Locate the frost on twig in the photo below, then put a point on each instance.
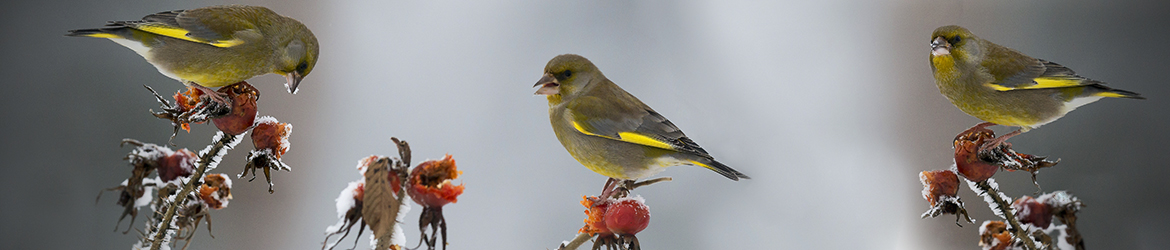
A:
(208, 159)
(1027, 222)
(186, 191)
(999, 203)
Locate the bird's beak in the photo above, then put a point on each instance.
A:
(548, 85)
(940, 47)
(292, 80)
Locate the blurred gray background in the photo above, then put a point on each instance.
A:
(829, 105)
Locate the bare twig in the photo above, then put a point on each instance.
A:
(210, 157)
(576, 242)
(1005, 208)
(648, 182)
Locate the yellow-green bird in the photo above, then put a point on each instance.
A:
(609, 130)
(1003, 86)
(217, 46)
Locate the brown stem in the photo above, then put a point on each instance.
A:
(1005, 208)
(576, 242)
(648, 182)
(204, 161)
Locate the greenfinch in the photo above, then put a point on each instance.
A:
(609, 130)
(1002, 86)
(217, 46)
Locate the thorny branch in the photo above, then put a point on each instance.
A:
(1005, 208)
(205, 160)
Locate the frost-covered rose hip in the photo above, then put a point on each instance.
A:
(180, 163)
(216, 190)
(938, 184)
(1031, 211)
(269, 134)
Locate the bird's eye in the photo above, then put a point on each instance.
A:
(302, 67)
(566, 74)
(956, 39)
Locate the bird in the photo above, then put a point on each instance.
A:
(218, 45)
(1000, 85)
(609, 130)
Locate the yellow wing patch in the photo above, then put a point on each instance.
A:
(635, 138)
(1111, 94)
(181, 33)
(630, 137)
(696, 163)
(103, 35)
(1042, 83)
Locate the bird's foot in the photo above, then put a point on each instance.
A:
(981, 127)
(998, 142)
(214, 96)
(608, 191)
(617, 188)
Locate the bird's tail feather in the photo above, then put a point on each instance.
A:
(113, 32)
(721, 169)
(1104, 91)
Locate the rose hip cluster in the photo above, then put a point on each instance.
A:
(174, 168)
(186, 192)
(977, 165)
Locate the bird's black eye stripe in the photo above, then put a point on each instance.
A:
(956, 39)
(565, 74)
(302, 67)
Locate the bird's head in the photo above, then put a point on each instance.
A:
(299, 56)
(954, 42)
(566, 75)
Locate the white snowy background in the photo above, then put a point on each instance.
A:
(828, 105)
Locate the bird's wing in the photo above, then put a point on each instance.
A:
(1015, 71)
(213, 26)
(630, 121)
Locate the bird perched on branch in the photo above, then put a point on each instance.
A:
(1002, 86)
(609, 130)
(217, 46)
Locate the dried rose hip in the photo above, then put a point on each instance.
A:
(937, 184)
(1032, 212)
(271, 135)
(993, 235)
(243, 113)
(430, 183)
(216, 190)
(595, 220)
(967, 155)
(181, 163)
